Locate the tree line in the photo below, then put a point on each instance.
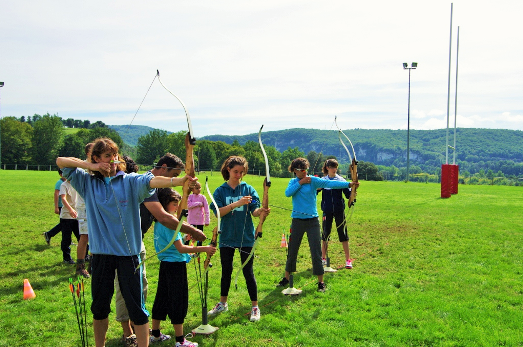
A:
(476, 150)
(69, 122)
(40, 139)
(209, 155)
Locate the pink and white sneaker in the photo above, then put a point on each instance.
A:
(186, 343)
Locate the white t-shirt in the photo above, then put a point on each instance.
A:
(71, 195)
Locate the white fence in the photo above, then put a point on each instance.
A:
(29, 167)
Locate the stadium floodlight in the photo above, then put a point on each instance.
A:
(406, 67)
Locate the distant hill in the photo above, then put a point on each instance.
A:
(477, 149)
(495, 149)
(131, 133)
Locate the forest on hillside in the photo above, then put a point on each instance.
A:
(476, 149)
(485, 153)
(380, 153)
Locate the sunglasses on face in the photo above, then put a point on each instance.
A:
(168, 167)
(301, 170)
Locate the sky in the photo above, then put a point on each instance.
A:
(286, 64)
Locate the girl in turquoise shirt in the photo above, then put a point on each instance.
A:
(237, 202)
(172, 294)
(303, 189)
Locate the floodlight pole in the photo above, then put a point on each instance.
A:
(448, 89)
(456, 100)
(1, 85)
(406, 67)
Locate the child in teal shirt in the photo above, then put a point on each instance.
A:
(172, 294)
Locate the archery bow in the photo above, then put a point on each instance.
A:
(265, 205)
(190, 141)
(189, 170)
(184, 108)
(216, 231)
(353, 169)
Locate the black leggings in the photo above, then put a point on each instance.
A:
(226, 257)
(341, 225)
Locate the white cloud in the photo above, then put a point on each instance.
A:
(507, 117)
(284, 63)
(434, 123)
(436, 112)
(418, 114)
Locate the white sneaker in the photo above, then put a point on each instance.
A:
(161, 338)
(219, 308)
(186, 343)
(255, 314)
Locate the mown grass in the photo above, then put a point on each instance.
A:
(427, 272)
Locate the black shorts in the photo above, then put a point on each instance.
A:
(103, 268)
(172, 294)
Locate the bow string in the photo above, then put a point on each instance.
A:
(353, 169)
(190, 142)
(265, 204)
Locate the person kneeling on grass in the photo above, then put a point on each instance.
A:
(172, 295)
(302, 189)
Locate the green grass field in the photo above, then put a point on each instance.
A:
(427, 272)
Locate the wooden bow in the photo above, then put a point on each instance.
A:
(266, 186)
(190, 141)
(265, 204)
(189, 171)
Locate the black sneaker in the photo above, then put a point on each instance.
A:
(81, 271)
(321, 287)
(283, 282)
(130, 341)
(70, 261)
(47, 238)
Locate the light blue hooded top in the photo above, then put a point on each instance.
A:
(113, 209)
(304, 196)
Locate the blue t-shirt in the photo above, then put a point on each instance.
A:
(162, 237)
(304, 196)
(113, 209)
(57, 187)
